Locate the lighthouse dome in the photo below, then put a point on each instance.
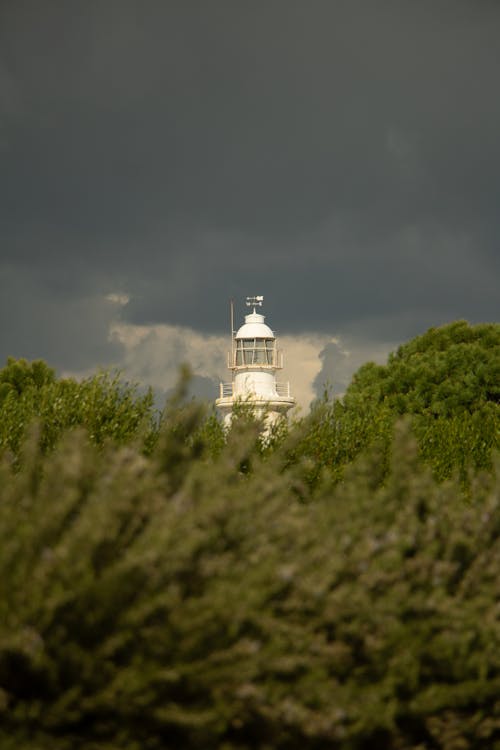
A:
(254, 328)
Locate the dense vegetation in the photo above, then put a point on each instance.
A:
(162, 587)
(108, 408)
(447, 382)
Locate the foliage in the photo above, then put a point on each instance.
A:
(108, 408)
(176, 586)
(176, 601)
(19, 375)
(445, 372)
(447, 380)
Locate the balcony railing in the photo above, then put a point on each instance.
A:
(226, 390)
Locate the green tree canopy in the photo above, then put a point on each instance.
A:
(443, 373)
(106, 406)
(447, 381)
(18, 375)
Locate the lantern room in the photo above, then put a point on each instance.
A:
(254, 344)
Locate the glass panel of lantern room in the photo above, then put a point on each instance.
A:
(249, 350)
(260, 352)
(239, 353)
(248, 346)
(251, 354)
(270, 351)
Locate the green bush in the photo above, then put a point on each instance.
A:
(177, 601)
(447, 381)
(103, 404)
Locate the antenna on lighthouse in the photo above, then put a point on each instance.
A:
(231, 313)
(255, 301)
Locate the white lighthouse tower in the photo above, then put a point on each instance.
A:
(253, 361)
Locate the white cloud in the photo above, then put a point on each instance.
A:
(153, 354)
(302, 363)
(117, 298)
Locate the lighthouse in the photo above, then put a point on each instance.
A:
(253, 361)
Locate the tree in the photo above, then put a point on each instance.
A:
(106, 406)
(443, 373)
(447, 381)
(19, 375)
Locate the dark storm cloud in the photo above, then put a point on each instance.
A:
(340, 157)
(41, 318)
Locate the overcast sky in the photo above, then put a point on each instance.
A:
(342, 158)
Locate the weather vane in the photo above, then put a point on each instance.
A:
(254, 301)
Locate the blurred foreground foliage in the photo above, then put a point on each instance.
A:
(165, 586)
(176, 601)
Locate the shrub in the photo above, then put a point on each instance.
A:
(447, 381)
(107, 407)
(176, 601)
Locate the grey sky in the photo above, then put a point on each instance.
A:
(340, 157)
